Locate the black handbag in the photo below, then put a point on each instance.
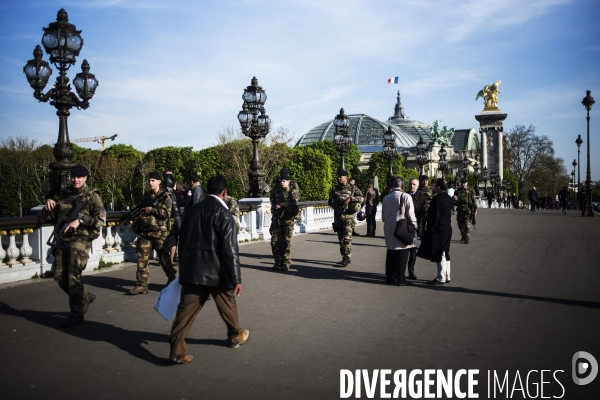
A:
(404, 231)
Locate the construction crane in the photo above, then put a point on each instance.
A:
(98, 139)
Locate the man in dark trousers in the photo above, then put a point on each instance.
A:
(563, 196)
(490, 198)
(210, 265)
(420, 203)
(581, 199)
(533, 198)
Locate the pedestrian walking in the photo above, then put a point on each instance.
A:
(396, 206)
(490, 198)
(581, 199)
(79, 215)
(435, 245)
(153, 226)
(533, 198)
(563, 197)
(210, 266)
(466, 208)
(284, 209)
(194, 194)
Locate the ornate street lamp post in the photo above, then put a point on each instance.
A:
(476, 176)
(389, 151)
(443, 163)
(421, 157)
(256, 127)
(574, 164)
(342, 140)
(578, 141)
(484, 177)
(465, 163)
(63, 42)
(588, 102)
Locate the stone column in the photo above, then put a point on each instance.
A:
(484, 151)
(491, 121)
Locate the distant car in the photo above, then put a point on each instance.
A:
(596, 206)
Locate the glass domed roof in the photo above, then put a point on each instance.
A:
(366, 132)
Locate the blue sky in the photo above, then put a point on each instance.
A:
(173, 72)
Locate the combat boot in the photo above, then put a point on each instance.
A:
(89, 299)
(139, 290)
(345, 262)
(467, 241)
(170, 279)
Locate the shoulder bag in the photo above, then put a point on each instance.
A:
(405, 232)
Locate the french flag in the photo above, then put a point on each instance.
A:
(393, 80)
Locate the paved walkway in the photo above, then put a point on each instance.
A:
(524, 296)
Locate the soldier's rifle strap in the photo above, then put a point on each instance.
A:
(57, 235)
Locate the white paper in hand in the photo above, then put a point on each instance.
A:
(168, 300)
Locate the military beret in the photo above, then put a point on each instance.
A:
(154, 175)
(463, 180)
(79, 170)
(424, 178)
(342, 173)
(284, 174)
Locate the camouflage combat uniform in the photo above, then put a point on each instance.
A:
(232, 204)
(465, 208)
(153, 230)
(282, 223)
(73, 252)
(343, 215)
(427, 193)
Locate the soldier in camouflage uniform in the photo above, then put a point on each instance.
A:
(284, 208)
(427, 193)
(153, 226)
(232, 204)
(346, 200)
(71, 256)
(466, 207)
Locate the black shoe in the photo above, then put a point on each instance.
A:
(275, 267)
(435, 282)
(391, 281)
(448, 281)
(404, 283)
(467, 241)
(412, 277)
(355, 233)
(345, 262)
(72, 321)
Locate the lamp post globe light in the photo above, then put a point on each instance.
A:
(341, 139)
(588, 102)
(63, 42)
(421, 157)
(256, 125)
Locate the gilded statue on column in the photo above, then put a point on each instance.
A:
(490, 96)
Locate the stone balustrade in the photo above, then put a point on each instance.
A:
(26, 253)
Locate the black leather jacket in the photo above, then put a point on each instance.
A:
(208, 246)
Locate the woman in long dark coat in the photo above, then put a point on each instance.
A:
(435, 246)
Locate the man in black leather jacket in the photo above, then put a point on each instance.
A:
(209, 265)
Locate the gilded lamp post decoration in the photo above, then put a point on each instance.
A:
(389, 151)
(256, 125)
(63, 42)
(342, 140)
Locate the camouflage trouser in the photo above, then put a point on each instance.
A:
(281, 243)
(464, 224)
(343, 226)
(70, 259)
(144, 247)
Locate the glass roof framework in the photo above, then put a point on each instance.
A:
(366, 132)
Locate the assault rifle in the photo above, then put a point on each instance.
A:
(58, 234)
(139, 210)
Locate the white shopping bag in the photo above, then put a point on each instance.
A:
(168, 300)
